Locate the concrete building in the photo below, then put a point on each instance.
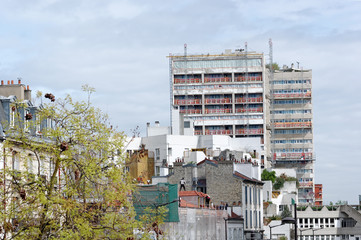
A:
(220, 94)
(290, 122)
(329, 223)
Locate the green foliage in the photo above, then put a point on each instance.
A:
(268, 176)
(274, 65)
(70, 184)
(278, 184)
(152, 220)
(286, 212)
(282, 238)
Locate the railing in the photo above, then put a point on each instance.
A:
(306, 184)
(293, 124)
(218, 100)
(251, 110)
(218, 132)
(249, 78)
(198, 132)
(217, 79)
(191, 111)
(218, 110)
(292, 95)
(249, 131)
(249, 100)
(187, 80)
(295, 156)
(187, 101)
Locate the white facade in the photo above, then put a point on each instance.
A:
(171, 148)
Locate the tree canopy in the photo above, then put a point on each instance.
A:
(63, 175)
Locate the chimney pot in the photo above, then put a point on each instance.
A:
(2, 82)
(28, 87)
(12, 82)
(19, 81)
(8, 82)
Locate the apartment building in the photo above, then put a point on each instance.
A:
(290, 122)
(220, 94)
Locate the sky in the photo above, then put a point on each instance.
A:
(120, 48)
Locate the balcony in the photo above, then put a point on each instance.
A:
(218, 100)
(217, 79)
(191, 111)
(187, 101)
(249, 131)
(218, 110)
(250, 100)
(292, 95)
(294, 156)
(293, 125)
(187, 80)
(249, 110)
(249, 79)
(218, 132)
(306, 184)
(198, 132)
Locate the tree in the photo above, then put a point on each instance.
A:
(268, 176)
(286, 212)
(274, 65)
(70, 182)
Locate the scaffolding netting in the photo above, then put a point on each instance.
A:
(153, 196)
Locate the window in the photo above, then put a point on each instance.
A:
(16, 161)
(245, 195)
(187, 124)
(157, 153)
(169, 151)
(157, 171)
(246, 216)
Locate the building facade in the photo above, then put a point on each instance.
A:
(291, 126)
(218, 94)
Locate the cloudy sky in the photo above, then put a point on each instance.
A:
(120, 48)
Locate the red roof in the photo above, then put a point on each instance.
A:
(209, 160)
(246, 178)
(192, 193)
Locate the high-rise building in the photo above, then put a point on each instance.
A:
(290, 122)
(220, 94)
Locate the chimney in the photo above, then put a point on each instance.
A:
(157, 123)
(148, 124)
(27, 94)
(19, 81)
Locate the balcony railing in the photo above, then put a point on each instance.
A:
(249, 78)
(217, 79)
(295, 156)
(306, 184)
(292, 95)
(249, 131)
(187, 80)
(218, 132)
(187, 101)
(191, 111)
(249, 100)
(293, 125)
(249, 110)
(198, 132)
(218, 100)
(218, 110)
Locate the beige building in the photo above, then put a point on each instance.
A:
(291, 129)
